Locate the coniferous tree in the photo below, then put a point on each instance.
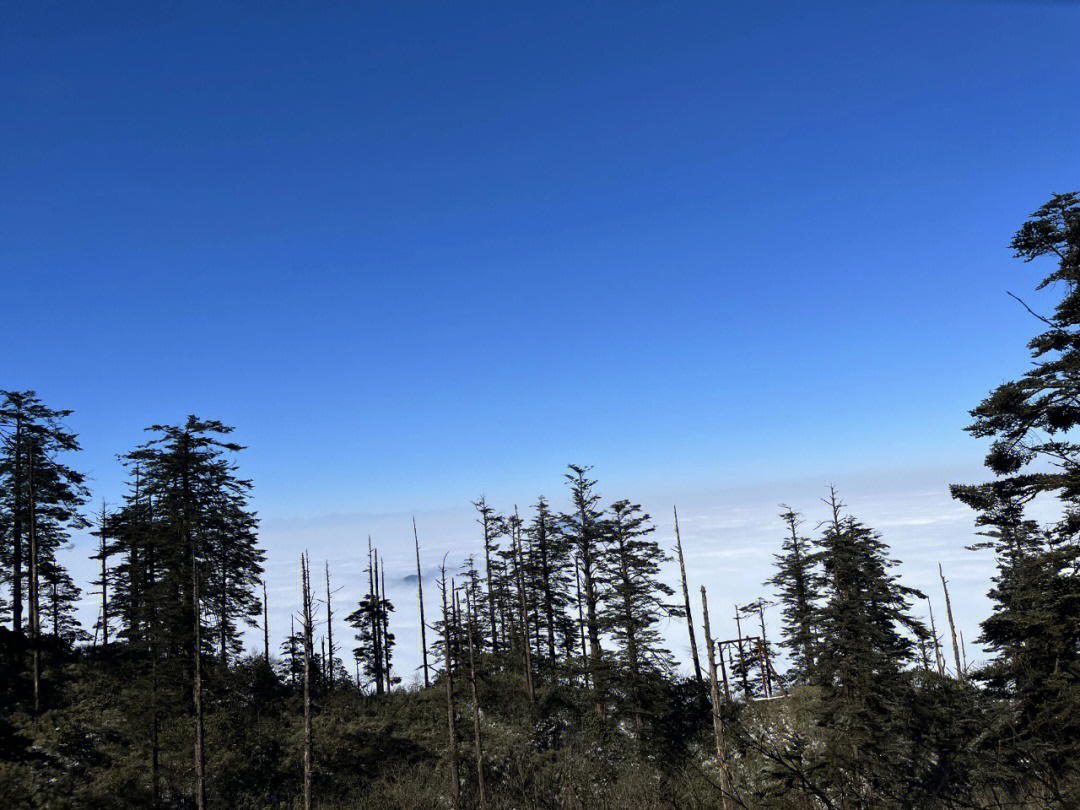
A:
(798, 584)
(375, 644)
(548, 571)
(586, 531)
(490, 526)
(1034, 631)
(634, 603)
(34, 479)
(867, 638)
(188, 508)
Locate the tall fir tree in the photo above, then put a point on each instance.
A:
(587, 533)
(798, 586)
(635, 602)
(187, 509)
(36, 484)
(868, 638)
(1034, 630)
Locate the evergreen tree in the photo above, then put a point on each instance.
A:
(187, 511)
(548, 574)
(862, 655)
(375, 643)
(797, 583)
(586, 532)
(634, 601)
(1034, 631)
(36, 485)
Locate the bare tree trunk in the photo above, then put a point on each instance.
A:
(376, 635)
(306, 574)
(475, 702)
(686, 602)
(455, 781)
(266, 624)
(420, 599)
(714, 695)
(104, 581)
(329, 635)
(952, 627)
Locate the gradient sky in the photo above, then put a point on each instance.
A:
(416, 252)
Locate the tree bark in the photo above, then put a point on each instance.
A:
(266, 624)
(104, 583)
(420, 599)
(329, 635)
(718, 720)
(952, 627)
(686, 601)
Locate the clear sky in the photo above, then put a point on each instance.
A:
(416, 252)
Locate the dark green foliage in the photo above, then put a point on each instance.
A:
(867, 637)
(1034, 630)
(36, 485)
(798, 586)
(633, 603)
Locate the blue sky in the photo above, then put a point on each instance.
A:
(726, 253)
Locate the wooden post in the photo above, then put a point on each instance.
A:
(686, 601)
(714, 696)
(475, 702)
(420, 598)
(952, 627)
